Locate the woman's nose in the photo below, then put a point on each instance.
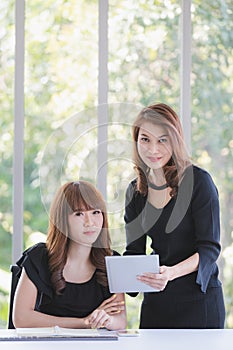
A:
(153, 147)
(88, 219)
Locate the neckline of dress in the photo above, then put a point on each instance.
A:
(170, 200)
(81, 283)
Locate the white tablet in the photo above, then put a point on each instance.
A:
(123, 270)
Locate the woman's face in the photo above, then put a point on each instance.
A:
(154, 146)
(85, 226)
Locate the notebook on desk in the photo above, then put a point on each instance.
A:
(122, 272)
(56, 333)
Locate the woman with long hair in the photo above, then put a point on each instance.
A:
(175, 204)
(64, 281)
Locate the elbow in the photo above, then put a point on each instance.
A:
(124, 320)
(20, 320)
(17, 322)
(124, 324)
(121, 324)
(21, 323)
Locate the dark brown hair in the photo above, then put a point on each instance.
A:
(73, 195)
(163, 115)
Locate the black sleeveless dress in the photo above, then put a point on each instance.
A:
(76, 300)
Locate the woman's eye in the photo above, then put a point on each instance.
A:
(163, 140)
(144, 139)
(78, 213)
(97, 212)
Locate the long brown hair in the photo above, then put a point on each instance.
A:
(73, 195)
(163, 115)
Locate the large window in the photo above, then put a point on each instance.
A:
(62, 117)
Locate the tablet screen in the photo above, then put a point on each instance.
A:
(122, 272)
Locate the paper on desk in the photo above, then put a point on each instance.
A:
(56, 331)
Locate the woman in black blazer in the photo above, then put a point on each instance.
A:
(176, 204)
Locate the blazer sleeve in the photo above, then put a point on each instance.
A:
(205, 212)
(135, 237)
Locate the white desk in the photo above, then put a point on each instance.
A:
(148, 339)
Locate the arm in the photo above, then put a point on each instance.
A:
(205, 218)
(110, 314)
(24, 314)
(169, 273)
(135, 237)
(206, 212)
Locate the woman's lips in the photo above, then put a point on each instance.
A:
(154, 159)
(89, 233)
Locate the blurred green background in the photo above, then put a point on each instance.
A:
(61, 82)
